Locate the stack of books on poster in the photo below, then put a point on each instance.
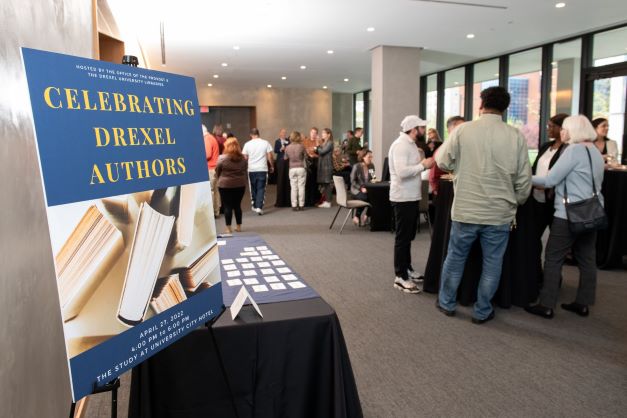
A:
(168, 293)
(198, 272)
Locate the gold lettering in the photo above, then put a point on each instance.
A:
(127, 165)
(156, 172)
(145, 169)
(70, 95)
(107, 137)
(118, 137)
(133, 103)
(181, 163)
(118, 99)
(178, 106)
(169, 163)
(159, 136)
(104, 101)
(86, 101)
(95, 172)
(189, 108)
(147, 105)
(169, 141)
(132, 136)
(147, 138)
(48, 100)
(110, 173)
(167, 103)
(159, 101)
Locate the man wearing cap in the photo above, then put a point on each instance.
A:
(492, 177)
(406, 163)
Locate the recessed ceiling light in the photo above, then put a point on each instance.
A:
(224, 64)
(209, 85)
(303, 67)
(470, 35)
(330, 51)
(283, 78)
(216, 76)
(236, 47)
(346, 79)
(554, 63)
(324, 87)
(269, 86)
(457, 83)
(560, 5)
(370, 29)
(496, 74)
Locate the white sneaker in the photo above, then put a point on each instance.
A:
(415, 276)
(406, 286)
(259, 211)
(325, 205)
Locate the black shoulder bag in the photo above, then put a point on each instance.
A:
(588, 214)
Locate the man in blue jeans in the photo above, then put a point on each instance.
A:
(258, 153)
(490, 162)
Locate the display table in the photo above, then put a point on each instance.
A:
(381, 210)
(291, 363)
(612, 243)
(519, 283)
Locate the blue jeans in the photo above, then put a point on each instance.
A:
(258, 187)
(493, 244)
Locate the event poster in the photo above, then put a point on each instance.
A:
(129, 210)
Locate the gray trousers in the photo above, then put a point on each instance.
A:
(584, 250)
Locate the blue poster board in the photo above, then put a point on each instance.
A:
(129, 210)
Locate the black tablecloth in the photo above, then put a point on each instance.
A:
(283, 198)
(612, 243)
(519, 283)
(380, 210)
(291, 363)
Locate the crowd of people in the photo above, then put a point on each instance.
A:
(489, 162)
(303, 168)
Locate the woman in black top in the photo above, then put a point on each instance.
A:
(282, 169)
(543, 199)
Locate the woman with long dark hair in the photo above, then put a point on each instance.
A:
(325, 167)
(232, 178)
(607, 147)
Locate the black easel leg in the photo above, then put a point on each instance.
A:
(72, 408)
(114, 402)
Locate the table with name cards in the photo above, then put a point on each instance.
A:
(247, 260)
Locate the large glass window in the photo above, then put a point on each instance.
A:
(609, 103)
(485, 74)
(610, 47)
(359, 110)
(432, 101)
(524, 81)
(454, 94)
(565, 77)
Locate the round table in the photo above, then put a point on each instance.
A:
(380, 210)
(612, 243)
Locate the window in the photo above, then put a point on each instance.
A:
(610, 47)
(454, 94)
(486, 74)
(524, 82)
(432, 101)
(359, 110)
(565, 77)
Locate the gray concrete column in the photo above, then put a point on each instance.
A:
(395, 94)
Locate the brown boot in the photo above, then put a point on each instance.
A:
(238, 228)
(228, 230)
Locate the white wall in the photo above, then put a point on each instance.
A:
(33, 369)
(293, 109)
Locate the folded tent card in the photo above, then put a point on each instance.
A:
(239, 301)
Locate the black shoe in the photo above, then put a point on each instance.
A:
(578, 308)
(483, 321)
(540, 310)
(295, 208)
(444, 311)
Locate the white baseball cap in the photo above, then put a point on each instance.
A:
(411, 122)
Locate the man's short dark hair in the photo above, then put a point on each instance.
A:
(454, 119)
(358, 129)
(254, 131)
(496, 98)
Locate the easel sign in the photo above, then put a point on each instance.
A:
(129, 210)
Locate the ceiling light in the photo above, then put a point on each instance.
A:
(560, 5)
(236, 47)
(303, 67)
(346, 79)
(283, 78)
(554, 63)
(324, 87)
(330, 51)
(216, 76)
(269, 86)
(370, 29)
(209, 85)
(496, 74)
(470, 35)
(457, 83)
(224, 64)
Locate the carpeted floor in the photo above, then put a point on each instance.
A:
(411, 361)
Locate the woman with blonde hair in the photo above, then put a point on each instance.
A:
(232, 173)
(575, 175)
(295, 154)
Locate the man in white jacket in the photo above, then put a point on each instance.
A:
(406, 163)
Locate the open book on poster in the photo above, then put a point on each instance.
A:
(152, 233)
(84, 260)
(200, 269)
(168, 293)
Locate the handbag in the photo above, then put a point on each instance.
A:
(588, 214)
